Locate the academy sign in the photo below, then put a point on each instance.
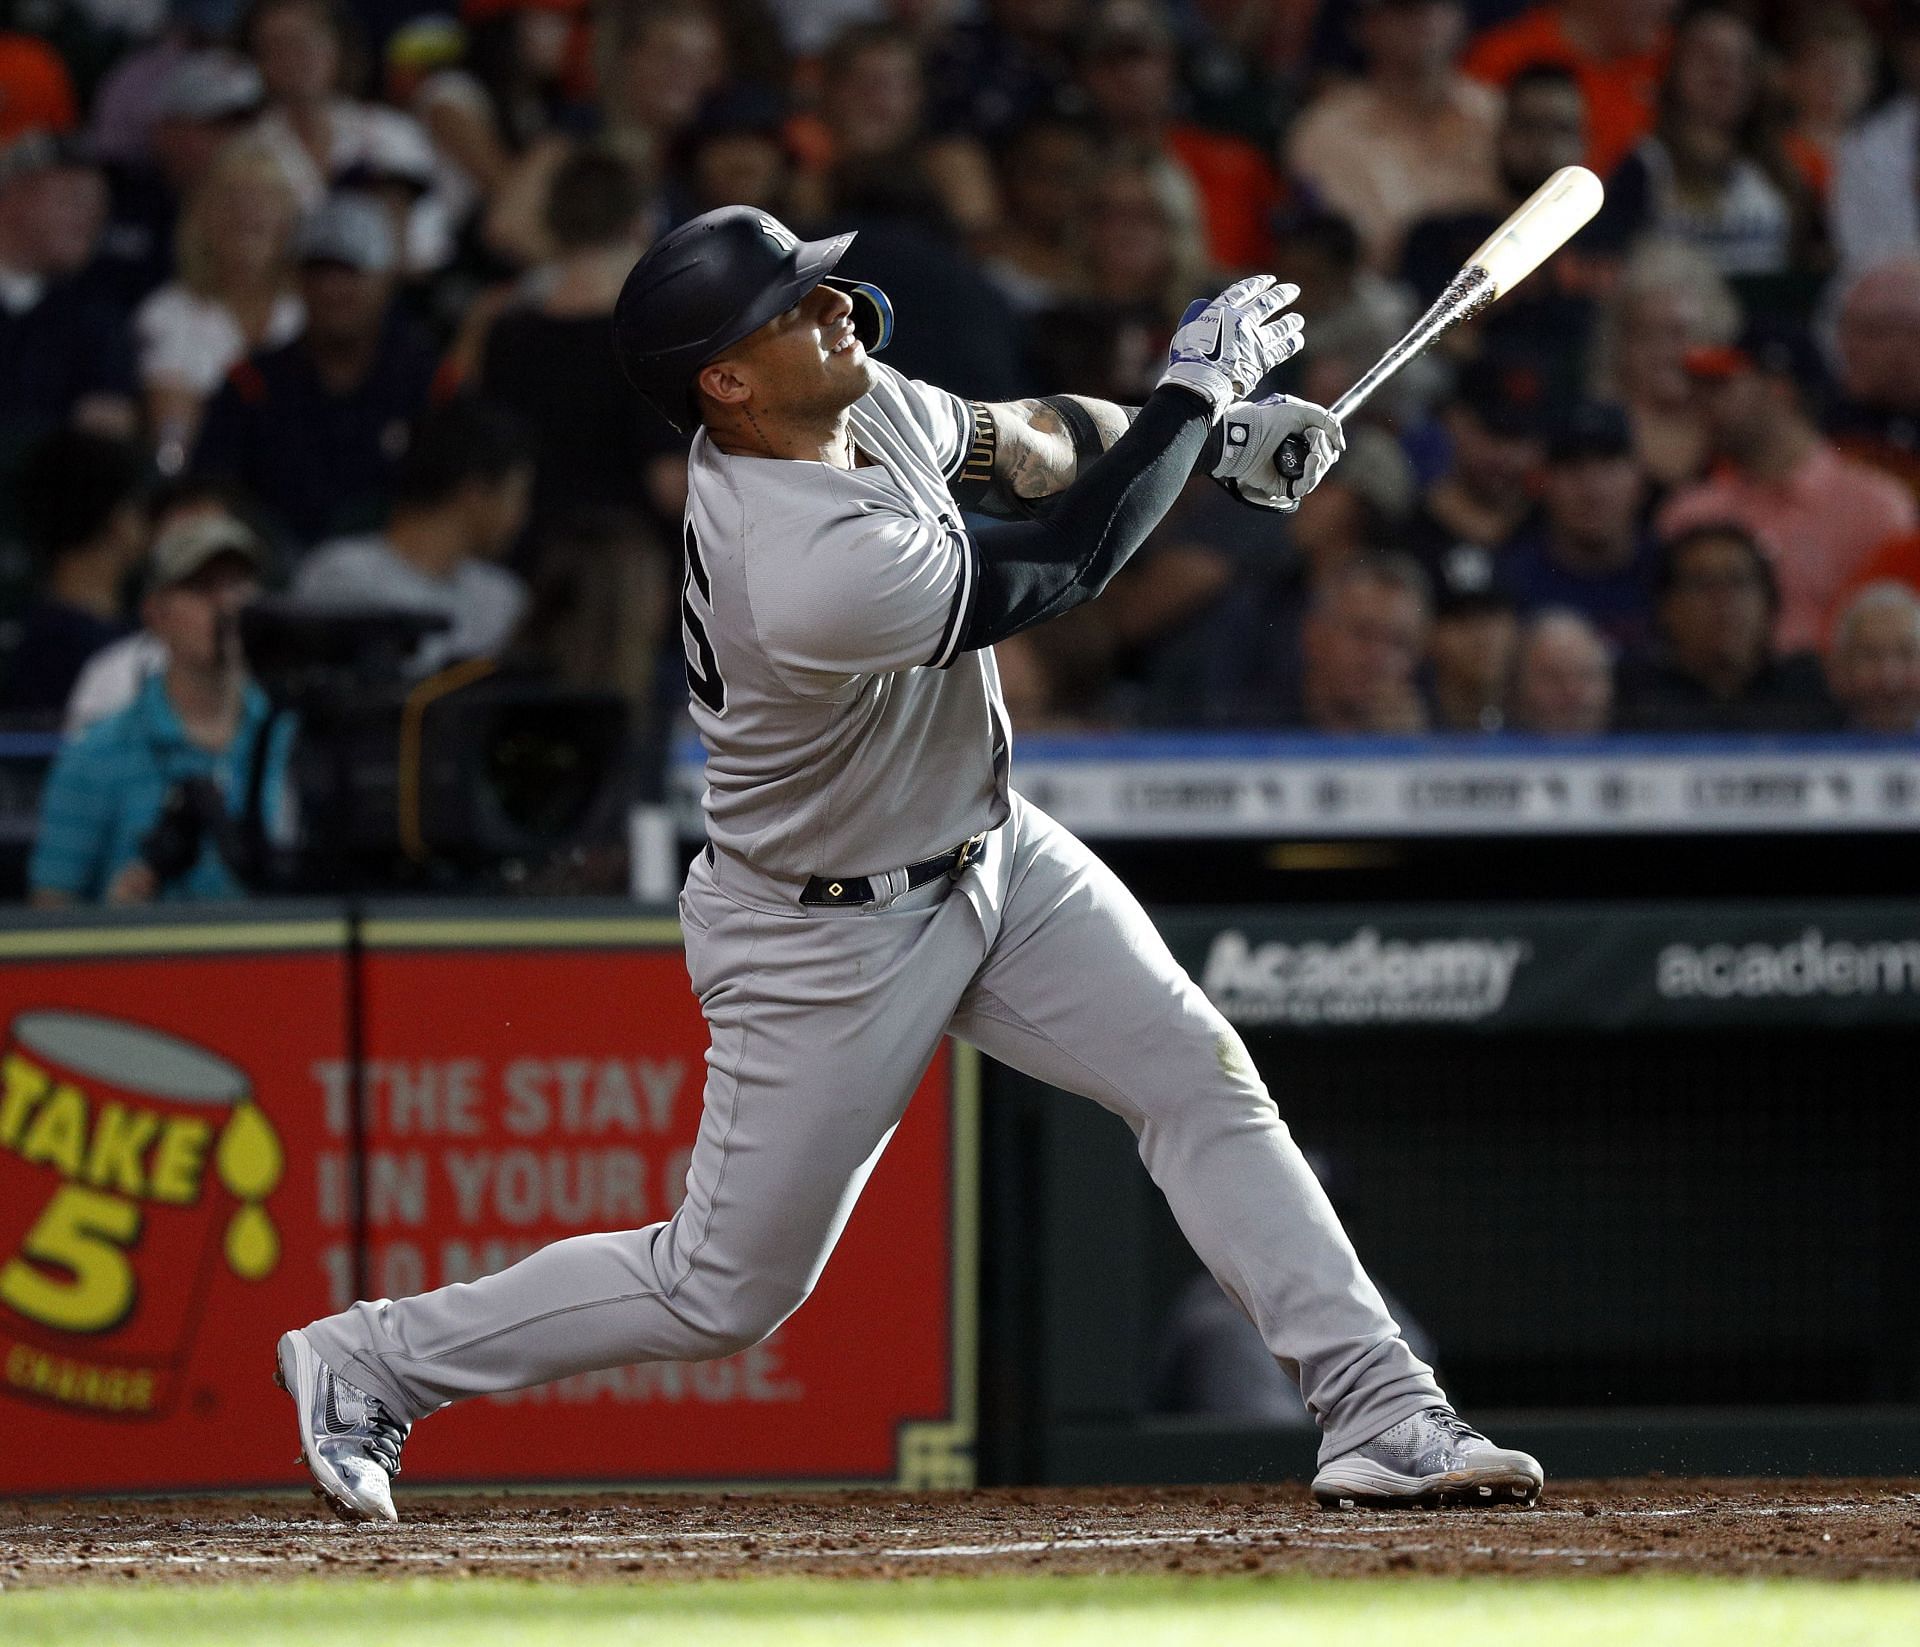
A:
(1362, 979)
(1812, 964)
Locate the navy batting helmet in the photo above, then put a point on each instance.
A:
(702, 288)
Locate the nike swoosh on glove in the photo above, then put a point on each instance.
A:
(1252, 433)
(1223, 348)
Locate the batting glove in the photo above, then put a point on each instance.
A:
(1252, 433)
(1223, 348)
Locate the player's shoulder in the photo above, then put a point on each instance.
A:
(913, 407)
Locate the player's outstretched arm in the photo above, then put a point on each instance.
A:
(1029, 570)
(1025, 451)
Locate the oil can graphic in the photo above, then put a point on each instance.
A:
(135, 1168)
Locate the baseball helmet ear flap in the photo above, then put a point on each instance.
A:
(872, 313)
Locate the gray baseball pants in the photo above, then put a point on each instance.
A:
(822, 1023)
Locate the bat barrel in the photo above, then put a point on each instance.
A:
(1550, 216)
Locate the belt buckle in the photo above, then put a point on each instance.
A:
(968, 854)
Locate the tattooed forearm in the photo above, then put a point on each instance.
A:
(1039, 452)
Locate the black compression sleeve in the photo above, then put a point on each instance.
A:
(1032, 570)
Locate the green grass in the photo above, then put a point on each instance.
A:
(1056, 1612)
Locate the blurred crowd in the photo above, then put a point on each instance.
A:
(315, 294)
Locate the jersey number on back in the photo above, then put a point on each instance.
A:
(703, 669)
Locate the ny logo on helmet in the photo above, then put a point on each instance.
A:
(779, 234)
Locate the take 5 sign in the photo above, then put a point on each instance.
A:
(132, 1159)
(157, 1219)
(183, 1175)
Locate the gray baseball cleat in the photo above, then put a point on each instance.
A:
(349, 1443)
(1428, 1460)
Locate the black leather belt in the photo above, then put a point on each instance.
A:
(847, 890)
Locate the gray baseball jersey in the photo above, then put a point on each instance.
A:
(822, 612)
(847, 734)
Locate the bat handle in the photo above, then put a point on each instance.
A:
(1291, 459)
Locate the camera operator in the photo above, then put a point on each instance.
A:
(143, 804)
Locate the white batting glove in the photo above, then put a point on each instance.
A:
(1253, 432)
(1223, 348)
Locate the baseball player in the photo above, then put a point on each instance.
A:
(872, 883)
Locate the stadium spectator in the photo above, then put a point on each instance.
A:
(196, 723)
(1715, 668)
(1354, 313)
(1878, 419)
(65, 354)
(1562, 677)
(532, 63)
(1365, 634)
(459, 502)
(1711, 173)
(1413, 138)
(1483, 496)
(1546, 321)
(990, 73)
(736, 153)
(658, 62)
(204, 99)
(1818, 513)
(872, 117)
(320, 134)
(1590, 552)
(1130, 74)
(1831, 63)
(1208, 632)
(111, 679)
(127, 105)
(1669, 301)
(82, 513)
(36, 92)
(1470, 649)
(599, 445)
(311, 429)
(598, 612)
(1143, 261)
(1047, 167)
(424, 76)
(234, 293)
(1371, 493)
(1617, 48)
(1873, 206)
(1873, 669)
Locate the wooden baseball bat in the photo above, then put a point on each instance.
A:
(1539, 228)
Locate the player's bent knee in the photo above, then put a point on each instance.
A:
(745, 1319)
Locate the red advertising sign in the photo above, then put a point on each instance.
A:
(181, 1179)
(528, 1082)
(157, 1219)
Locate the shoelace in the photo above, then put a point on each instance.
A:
(383, 1436)
(1443, 1418)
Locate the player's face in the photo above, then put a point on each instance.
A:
(806, 363)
